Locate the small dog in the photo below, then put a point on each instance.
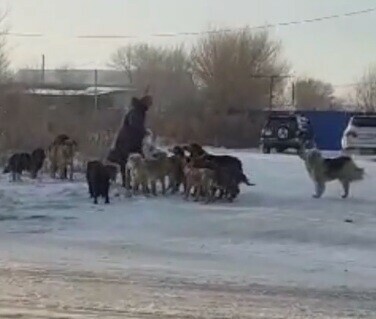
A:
(98, 179)
(201, 181)
(18, 163)
(323, 170)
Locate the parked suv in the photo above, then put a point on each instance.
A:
(360, 134)
(282, 132)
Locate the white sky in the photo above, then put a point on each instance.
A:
(336, 51)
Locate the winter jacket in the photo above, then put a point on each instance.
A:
(131, 134)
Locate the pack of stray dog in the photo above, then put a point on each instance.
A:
(188, 169)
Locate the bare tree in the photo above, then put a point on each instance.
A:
(123, 60)
(312, 94)
(234, 68)
(165, 70)
(30, 74)
(5, 73)
(365, 91)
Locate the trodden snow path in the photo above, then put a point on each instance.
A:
(274, 253)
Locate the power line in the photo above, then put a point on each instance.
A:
(346, 85)
(21, 34)
(265, 26)
(176, 34)
(354, 84)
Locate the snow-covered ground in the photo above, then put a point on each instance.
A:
(274, 253)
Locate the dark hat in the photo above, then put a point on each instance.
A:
(147, 100)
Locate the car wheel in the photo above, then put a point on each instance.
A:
(280, 149)
(283, 133)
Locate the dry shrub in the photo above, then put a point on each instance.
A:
(229, 130)
(29, 123)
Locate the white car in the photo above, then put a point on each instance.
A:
(360, 134)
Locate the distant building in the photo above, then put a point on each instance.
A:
(72, 78)
(101, 97)
(63, 87)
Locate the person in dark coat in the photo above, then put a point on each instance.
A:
(131, 134)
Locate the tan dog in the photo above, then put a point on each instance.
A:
(145, 172)
(137, 173)
(201, 181)
(61, 156)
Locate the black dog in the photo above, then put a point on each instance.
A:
(112, 171)
(197, 150)
(36, 163)
(18, 163)
(226, 179)
(98, 179)
(229, 162)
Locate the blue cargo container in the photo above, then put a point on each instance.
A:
(328, 127)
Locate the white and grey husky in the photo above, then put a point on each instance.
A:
(323, 170)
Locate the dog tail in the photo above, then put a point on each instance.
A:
(244, 179)
(354, 172)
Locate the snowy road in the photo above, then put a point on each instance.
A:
(275, 253)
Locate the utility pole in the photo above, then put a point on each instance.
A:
(271, 94)
(272, 83)
(293, 94)
(96, 89)
(43, 70)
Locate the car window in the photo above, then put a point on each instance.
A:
(282, 121)
(364, 121)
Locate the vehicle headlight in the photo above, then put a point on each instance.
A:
(268, 132)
